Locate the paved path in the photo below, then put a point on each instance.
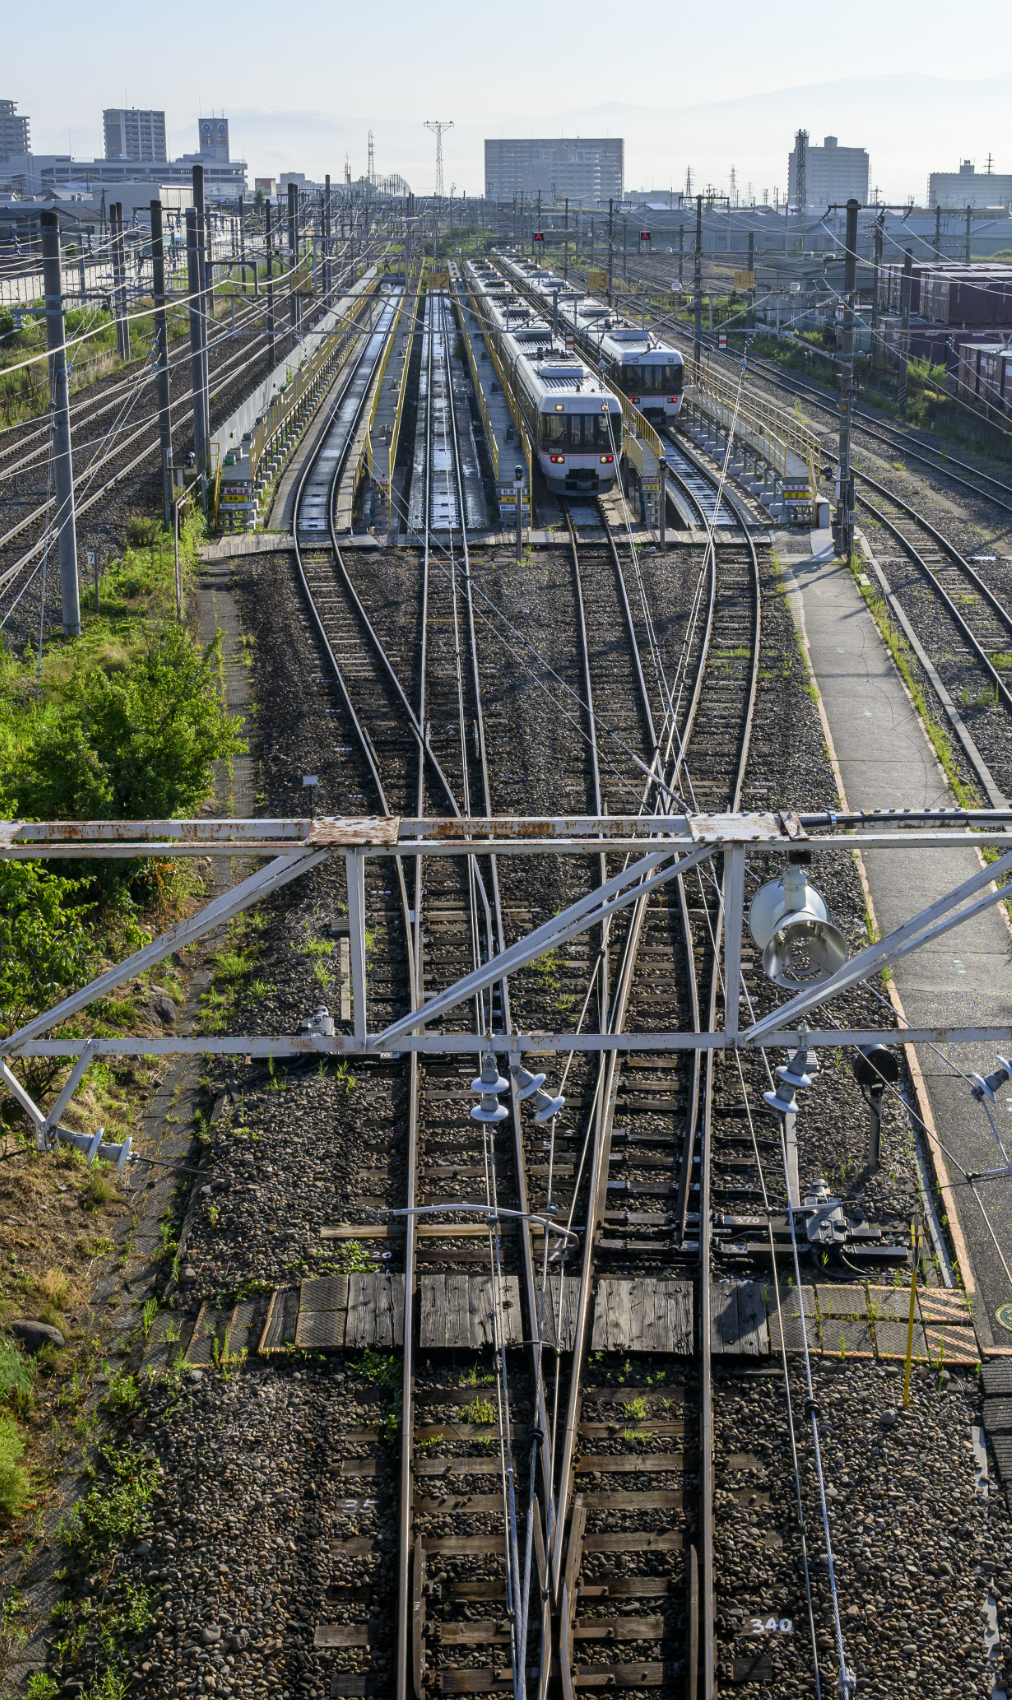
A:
(886, 761)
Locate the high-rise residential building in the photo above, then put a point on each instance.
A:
(833, 175)
(133, 132)
(14, 138)
(214, 139)
(587, 169)
(969, 188)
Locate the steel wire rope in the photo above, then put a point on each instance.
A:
(845, 1680)
(230, 372)
(537, 1311)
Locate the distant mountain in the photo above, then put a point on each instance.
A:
(910, 124)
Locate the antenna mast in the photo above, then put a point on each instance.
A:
(437, 126)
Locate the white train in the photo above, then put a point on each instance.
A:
(641, 364)
(573, 420)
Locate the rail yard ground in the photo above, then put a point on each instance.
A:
(234, 1487)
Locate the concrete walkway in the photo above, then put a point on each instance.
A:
(886, 761)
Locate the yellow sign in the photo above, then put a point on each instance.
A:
(744, 280)
(439, 280)
(597, 280)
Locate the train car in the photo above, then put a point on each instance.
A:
(650, 371)
(573, 419)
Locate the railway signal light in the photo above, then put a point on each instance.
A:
(644, 239)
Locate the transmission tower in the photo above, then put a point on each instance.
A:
(437, 126)
(371, 169)
(801, 171)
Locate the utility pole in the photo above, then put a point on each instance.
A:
(750, 311)
(901, 381)
(269, 272)
(681, 257)
(565, 266)
(611, 245)
(938, 231)
(697, 284)
(326, 241)
(196, 362)
(59, 402)
(625, 250)
(845, 510)
(968, 236)
(162, 359)
(293, 256)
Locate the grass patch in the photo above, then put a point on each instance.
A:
(14, 1481)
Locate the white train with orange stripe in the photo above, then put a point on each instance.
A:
(572, 418)
(638, 362)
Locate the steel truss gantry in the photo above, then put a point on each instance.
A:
(655, 849)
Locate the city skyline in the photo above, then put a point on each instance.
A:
(752, 135)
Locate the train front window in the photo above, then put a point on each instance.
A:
(581, 433)
(668, 379)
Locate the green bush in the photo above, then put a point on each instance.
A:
(136, 745)
(13, 1476)
(44, 945)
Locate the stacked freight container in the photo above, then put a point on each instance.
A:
(984, 374)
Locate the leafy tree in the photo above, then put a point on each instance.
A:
(132, 745)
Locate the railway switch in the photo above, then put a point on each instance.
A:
(875, 1067)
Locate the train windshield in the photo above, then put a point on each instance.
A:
(653, 380)
(578, 431)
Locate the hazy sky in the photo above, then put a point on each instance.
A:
(301, 86)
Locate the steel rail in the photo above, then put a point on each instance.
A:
(604, 1111)
(366, 747)
(870, 425)
(911, 548)
(228, 373)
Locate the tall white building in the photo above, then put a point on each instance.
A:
(969, 188)
(14, 139)
(133, 132)
(833, 175)
(587, 169)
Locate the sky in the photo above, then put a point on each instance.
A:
(710, 89)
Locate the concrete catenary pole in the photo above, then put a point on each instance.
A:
(293, 257)
(59, 401)
(269, 272)
(162, 358)
(611, 245)
(119, 281)
(205, 298)
(196, 361)
(326, 241)
(697, 284)
(845, 509)
(901, 379)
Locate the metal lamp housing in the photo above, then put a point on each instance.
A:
(790, 924)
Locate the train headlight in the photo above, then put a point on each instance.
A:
(558, 460)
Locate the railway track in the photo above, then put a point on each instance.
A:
(961, 615)
(99, 453)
